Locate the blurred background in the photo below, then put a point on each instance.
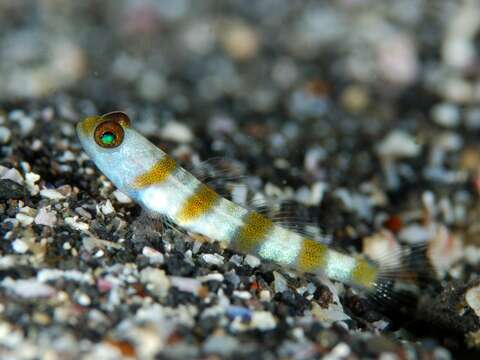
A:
(339, 88)
(367, 112)
(264, 57)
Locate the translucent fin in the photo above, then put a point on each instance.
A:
(222, 174)
(148, 227)
(290, 215)
(402, 275)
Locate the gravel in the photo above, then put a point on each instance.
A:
(360, 118)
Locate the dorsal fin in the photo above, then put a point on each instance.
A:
(290, 215)
(223, 175)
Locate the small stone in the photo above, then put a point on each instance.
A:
(355, 98)
(26, 125)
(186, 284)
(28, 288)
(156, 281)
(213, 259)
(398, 144)
(154, 256)
(77, 225)
(30, 180)
(10, 189)
(245, 295)
(265, 295)
(11, 174)
(24, 219)
(280, 283)
(51, 194)
(5, 135)
(444, 250)
(263, 320)
(340, 351)
(398, 59)
(20, 246)
(313, 158)
(447, 115)
(383, 248)
(107, 208)
(178, 132)
(83, 299)
(220, 345)
(252, 261)
(472, 296)
(65, 190)
(240, 41)
(45, 217)
(121, 197)
(416, 234)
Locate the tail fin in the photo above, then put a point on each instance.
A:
(401, 275)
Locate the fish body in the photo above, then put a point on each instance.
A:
(155, 181)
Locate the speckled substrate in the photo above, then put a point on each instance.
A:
(310, 107)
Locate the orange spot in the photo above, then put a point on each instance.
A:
(313, 256)
(364, 273)
(157, 174)
(198, 204)
(253, 232)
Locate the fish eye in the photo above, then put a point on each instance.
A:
(109, 134)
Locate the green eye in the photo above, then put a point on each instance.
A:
(109, 134)
(108, 138)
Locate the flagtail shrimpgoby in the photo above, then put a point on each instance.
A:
(155, 181)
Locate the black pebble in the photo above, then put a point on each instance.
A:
(9, 189)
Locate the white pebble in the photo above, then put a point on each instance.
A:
(83, 299)
(121, 197)
(24, 219)
(5, 135)
(383, 248)
(77, 225)
(265, 295)
(280, 283)
(11, 174)
(314, 157)
(176, 131)
(45, 275)
(416, 234)
(51, 194)
(186, 284)
(473, 299)
(340, 351)
(154, 256)
(107, 208)
(213, 259)
(398, 143)
(245, 295)
(444, 250)
(45, 217)
(30, 180)
(20, 246)
(223, 345)
(212, 277)
(252, 261)
(263, 320)
(447, 115)
(156, 280)
(28, 288)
